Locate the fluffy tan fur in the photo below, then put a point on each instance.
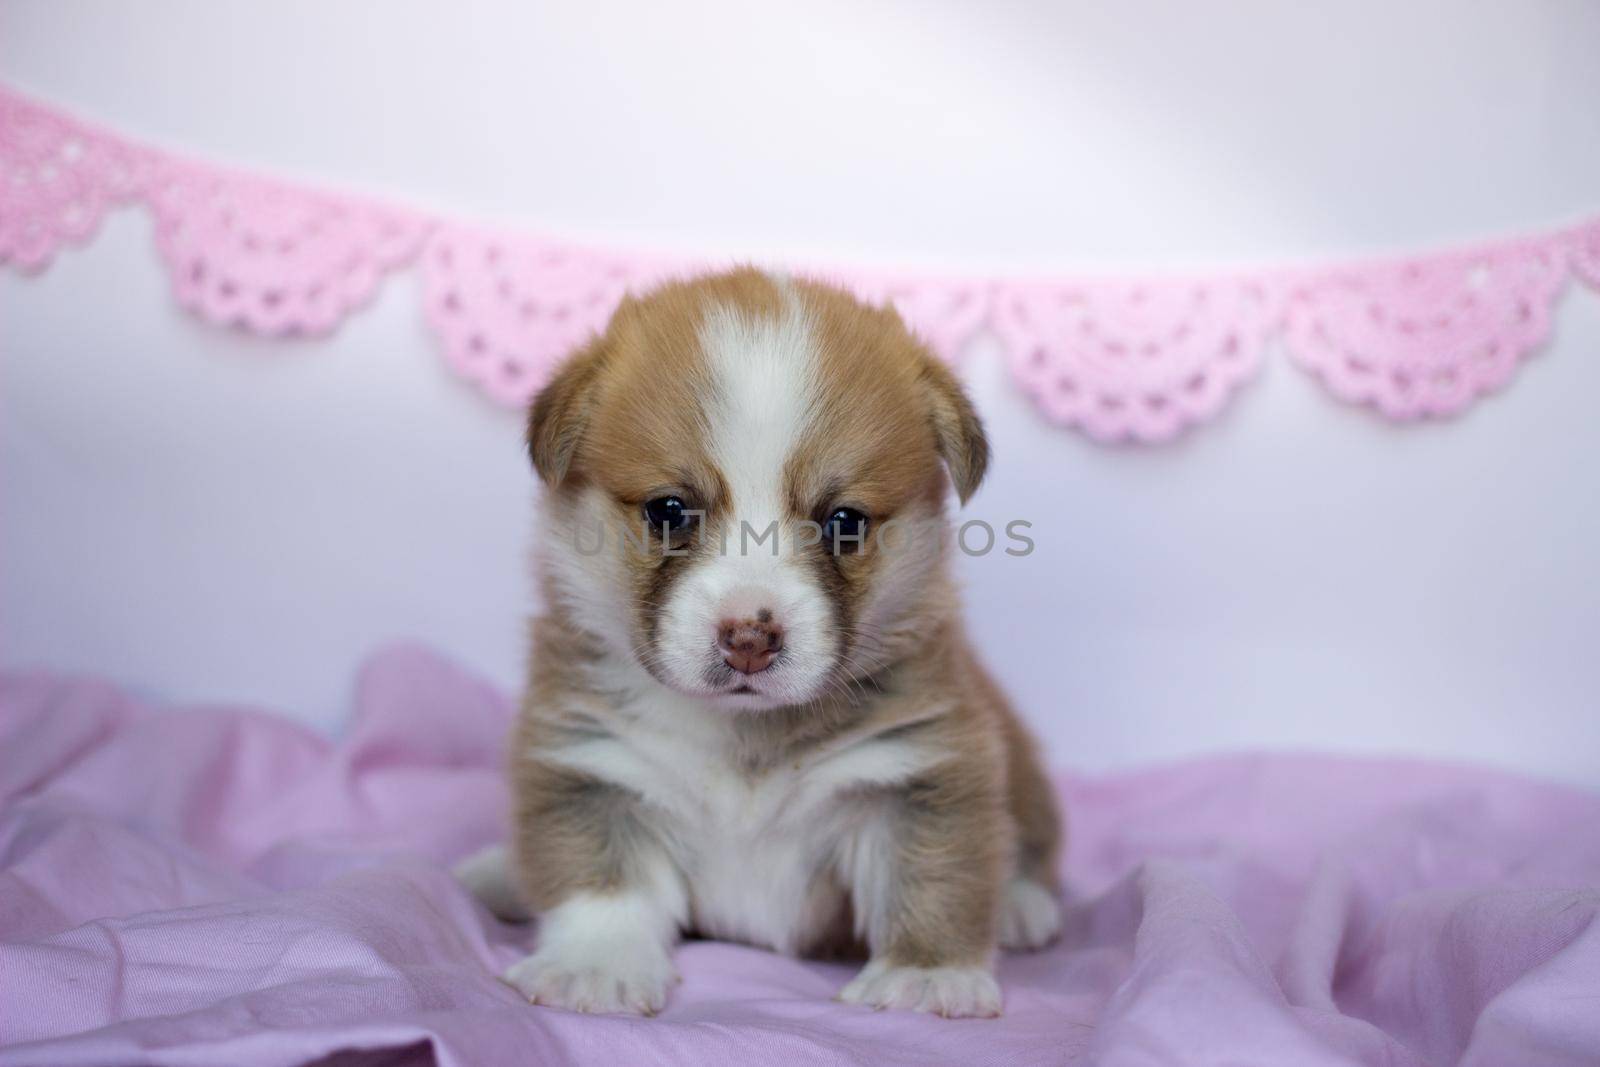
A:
(624, 420)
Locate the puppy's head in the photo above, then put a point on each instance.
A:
(747, 479)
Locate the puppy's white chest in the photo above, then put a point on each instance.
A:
(765, 856)
(756, 872)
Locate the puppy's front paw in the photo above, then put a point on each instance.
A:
(1030, 915)
(607, 979)
(954, 992)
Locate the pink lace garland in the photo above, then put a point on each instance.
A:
(508, 307)
(1121, 359)
(58, 177)
(270, 257)
(1426, 336)
(1584, 242)
(1137, 360)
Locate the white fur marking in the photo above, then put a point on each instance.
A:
(1030, 915)
(606, 952)
(760, 406)
(487, 875)
(592, 584)
(763, 372)
(750, 850)
(866, 863)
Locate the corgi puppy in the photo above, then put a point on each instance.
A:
(752, 713)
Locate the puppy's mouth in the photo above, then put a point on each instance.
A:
(717, 680)
(720, 685)
(725, 682)
(732, 690)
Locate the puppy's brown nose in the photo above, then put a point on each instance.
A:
(749, 645)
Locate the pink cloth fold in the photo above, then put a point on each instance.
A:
(220, 886)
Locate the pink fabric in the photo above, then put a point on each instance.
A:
(219, 886)
(1123, 359)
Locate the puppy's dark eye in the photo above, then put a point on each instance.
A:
(667, 513)
(845, 530)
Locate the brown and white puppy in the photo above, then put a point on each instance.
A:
(752, 712)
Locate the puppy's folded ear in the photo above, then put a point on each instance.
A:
(560, 413)
(956, 428)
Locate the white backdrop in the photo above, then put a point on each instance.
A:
(207, 516)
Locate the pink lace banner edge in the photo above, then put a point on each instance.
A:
(1121, 358)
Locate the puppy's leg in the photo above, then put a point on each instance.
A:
(602, 952)
(1030, 908)
(1030, 915)
(610, 901)
(487, 875)
(925, 879)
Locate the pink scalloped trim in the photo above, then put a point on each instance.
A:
(1121, 359)
(1585, 247)
(1426, 336)
(58, 177)
(509, 307)
(271, 257)
(945, 313)
(1134, 360)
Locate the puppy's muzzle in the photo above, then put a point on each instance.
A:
(750, 645)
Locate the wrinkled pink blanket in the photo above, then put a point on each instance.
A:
(224, 887)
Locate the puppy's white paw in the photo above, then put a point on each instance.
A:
(1030, 915)
(603, 979)
(954, 992)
